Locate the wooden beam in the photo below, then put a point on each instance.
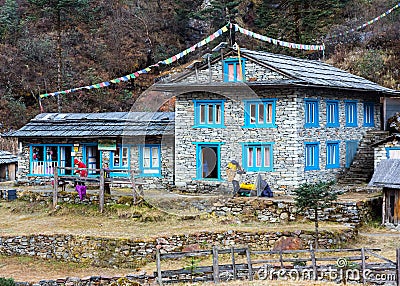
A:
(101, 191)
(55, 188)
(158, 264)
(215, 265)
(249, 266)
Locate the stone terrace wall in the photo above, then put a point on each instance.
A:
(120, 252)
(278, 211)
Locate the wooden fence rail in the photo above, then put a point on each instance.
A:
(102, 179)
(352, 264)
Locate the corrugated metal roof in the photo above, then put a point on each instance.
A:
(110, 124)
(7, 157)
(314, 72)
(387, 174)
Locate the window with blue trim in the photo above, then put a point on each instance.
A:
(332, 113)
(369, 108)
(393, 152)
(44, 158)
(257, 157)
(311, 156)
(120, 158)
(209, 113)
(350, 107)
(332, 154)
(150, 160)
(259, 113)
(233, 71)
(311, 113)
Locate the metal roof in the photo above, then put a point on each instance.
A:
(109, 124)
(7, 157)
(314, 73)
(387, 174)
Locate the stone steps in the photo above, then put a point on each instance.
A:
(362, 168)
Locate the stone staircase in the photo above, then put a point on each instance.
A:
(362, 168)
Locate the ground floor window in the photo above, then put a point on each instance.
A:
(311, 156)
(257, 157)
(332, 155)
(150, 160)
(45, 158)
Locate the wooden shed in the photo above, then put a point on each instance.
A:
(8, 166)
(387, 175)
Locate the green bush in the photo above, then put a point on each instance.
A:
(6, 281)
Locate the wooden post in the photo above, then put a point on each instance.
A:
(233, 263)
(249, 266)
(158, 262)
(55, 188)
(398, 266)
(215, 264)
(101, 192)
(363, 266)
(314, 262)
(281, 258)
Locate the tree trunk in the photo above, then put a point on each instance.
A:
(59, 59)
(316, 228)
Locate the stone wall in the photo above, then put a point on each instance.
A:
(287, 137)
(123, 252)
(381, 151)
(282, 211)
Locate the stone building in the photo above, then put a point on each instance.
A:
(8, 166)
(291, 120)
(122, 142)
(287, 119)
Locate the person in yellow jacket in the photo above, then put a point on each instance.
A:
(234, 173)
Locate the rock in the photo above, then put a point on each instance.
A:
(288, 243)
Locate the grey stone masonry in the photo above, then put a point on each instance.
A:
(287, 138)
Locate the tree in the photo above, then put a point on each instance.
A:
(314, 197)
(9, 20)
(61, 13)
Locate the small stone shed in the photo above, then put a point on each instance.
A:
(8, 166)
(387, 175)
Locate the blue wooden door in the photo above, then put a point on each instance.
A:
(351, 151)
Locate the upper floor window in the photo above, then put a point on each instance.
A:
(259, 113)
(150, 160)
(234, 70)
(311, 113)
(350, 107)
(209, 113)
(311, 156)
(332, 155)
(369, 114)
(257, 156)
(332, 113)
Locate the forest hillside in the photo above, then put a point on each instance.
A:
(53, 45)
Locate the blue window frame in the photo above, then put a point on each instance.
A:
(150, 160)
(311, 107)
(259, 113)
(257, 156)
(393, 152)
(120, 160)
(44, 158)
(332, 154)
(369, 108)
(233, 71)
(350, 107)
(311, 156)
(332, 113)
(209, 113)
(208, 161)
